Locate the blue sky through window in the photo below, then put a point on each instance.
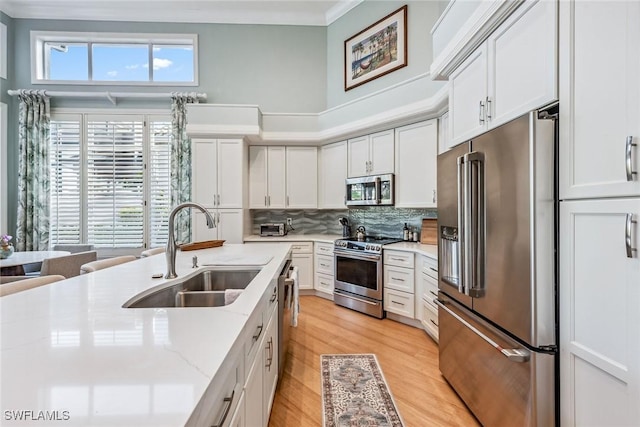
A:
(122, 63)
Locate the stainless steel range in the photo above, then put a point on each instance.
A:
(358, 274)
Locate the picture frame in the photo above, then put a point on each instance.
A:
(379, 49)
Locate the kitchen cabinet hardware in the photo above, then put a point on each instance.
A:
(627, 236)
(481, 113)
(433, 269)
(431, 320)
(269, 348)
(225, 412)
(397, 302)
(258, 333)
(434, 196)
(628, 165)
(433, 293)
(488, 109)
(274, 295)
(398, 279)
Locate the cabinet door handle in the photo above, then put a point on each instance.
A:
(627, 159)
(225, 412)
(398, 279)
(481, 113)
(434, 196)
(433, 269)
(431, 320)
(265, 201)
(399, 303)
(269, 348)
(433, 293)
(627, 236)
(258, 333)
(287, 200)
(397, 259)
(489, 108)
(274, 295)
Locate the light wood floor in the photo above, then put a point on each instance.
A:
(407, 356)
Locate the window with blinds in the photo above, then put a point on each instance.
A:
(110, 180)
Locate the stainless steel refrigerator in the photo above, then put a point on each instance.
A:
(497, 299)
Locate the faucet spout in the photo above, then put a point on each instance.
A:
(170, 251)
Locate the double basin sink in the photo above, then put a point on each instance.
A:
(205, 289)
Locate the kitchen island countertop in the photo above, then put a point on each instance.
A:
(69, 350)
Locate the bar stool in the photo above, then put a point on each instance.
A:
(105, 263)
(13, 284)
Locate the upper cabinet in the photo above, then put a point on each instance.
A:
(302, 177)
(371, 154)
(283, 177)
(416, 157)
(332, 175)
(513, 72)
(600, 99)
(218, 174)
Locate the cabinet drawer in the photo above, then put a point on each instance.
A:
(429, 287)
(430, 319)
(324, 249)
(324, 283)
(430, 267)
(302, 247)
(222, 405)
(399, 278)
(398, 258)
(398, 302)
(324, 264)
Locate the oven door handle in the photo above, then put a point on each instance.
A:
(354, 255)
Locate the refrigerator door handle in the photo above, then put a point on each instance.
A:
(474, 223)
(513, 354)
(461, 225)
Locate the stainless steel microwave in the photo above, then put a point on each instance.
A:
(273, 229)
(370, 190)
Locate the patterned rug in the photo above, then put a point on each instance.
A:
(355, 393)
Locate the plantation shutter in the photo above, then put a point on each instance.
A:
(115, 181)
(66, 178)
(159, 180)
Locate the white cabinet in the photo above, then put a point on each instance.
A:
(600, 99)
(218, 175)
(332, 175)
(444, 143)
(513, 72)
(270, 364)
(324, 267)
(302, 257)
(283, 177)
(267, 177)
(599, 312)
(426, 293)
(416, 151)
(399, 282)
(230, 225)
(302, 177)
(371, 154)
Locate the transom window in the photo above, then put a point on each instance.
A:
(107, 58)
(110, 181)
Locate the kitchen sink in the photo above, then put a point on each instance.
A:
(205, 289)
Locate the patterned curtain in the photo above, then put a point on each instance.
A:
(181, 162)
(32, 232)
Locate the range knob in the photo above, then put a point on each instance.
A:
(377, 248)
(367, 247)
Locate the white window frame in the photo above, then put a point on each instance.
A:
(39, 38)
(151, 113)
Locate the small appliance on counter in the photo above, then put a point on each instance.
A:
(273, 229)
(346, 228)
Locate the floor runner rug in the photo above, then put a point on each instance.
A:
(355, 393)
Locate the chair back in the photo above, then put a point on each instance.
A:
(27, 283)
(68, 265)
(74, 249)
(153, 251)
(105, 263)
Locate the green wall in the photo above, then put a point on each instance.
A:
(421, 15)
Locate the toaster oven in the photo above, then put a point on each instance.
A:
(273, 229)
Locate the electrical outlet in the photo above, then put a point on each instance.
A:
(289, 221)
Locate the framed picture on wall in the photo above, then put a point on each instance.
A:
(377, 50)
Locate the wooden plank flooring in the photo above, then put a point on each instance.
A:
(407, 356)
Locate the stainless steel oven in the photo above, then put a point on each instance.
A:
(358, 274)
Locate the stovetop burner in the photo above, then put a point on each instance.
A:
(372, 244)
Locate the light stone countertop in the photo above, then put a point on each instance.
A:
(71, 346)
(428, 250)
(324, 238)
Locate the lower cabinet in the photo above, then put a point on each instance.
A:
(323, 267)
(399, 287)
(427, 284)
(302, 257)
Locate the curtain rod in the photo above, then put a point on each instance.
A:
(111, 96)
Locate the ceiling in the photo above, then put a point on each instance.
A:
(289, 12)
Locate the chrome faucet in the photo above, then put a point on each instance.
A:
(171, 242)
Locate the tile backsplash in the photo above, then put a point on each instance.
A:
(378, 220)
